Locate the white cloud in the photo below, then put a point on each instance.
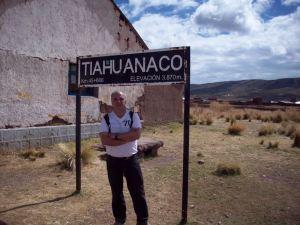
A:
(290, 2)
(226, 16)
(270, 50)
(262, 5)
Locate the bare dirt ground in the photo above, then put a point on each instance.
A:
(267, 192)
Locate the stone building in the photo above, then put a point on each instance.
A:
(39, 43)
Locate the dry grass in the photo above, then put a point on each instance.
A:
(228, 169)
(266, 130)
(236, 128)
(220, 107)
(277, 117)
(293, 115)
(265, 193)
(68, 155)
(206, 120)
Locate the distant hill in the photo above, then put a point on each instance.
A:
(281, 89)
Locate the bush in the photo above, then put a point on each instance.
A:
(246, 116)
(209, 121)
(261, 142)
(266, 130)
(266, 119)
(278, 118)
(224, 169)
(236, 128)
(297, 139)
(32, 154)
(258, 117)
(291, 130)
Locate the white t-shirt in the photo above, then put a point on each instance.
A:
(119, 126)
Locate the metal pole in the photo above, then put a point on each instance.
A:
(78, 133)
(186, 134)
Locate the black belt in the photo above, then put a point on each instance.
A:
(121, 158)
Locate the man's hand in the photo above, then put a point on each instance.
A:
(109, 139)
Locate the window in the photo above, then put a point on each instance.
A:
(88, 91)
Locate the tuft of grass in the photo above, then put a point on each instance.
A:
(246, 116)
(273, 145)
(207, 120)
(277, 118)
(238, 117)
(87, 156)
(32, 154)
(266, 119)
(297, 139)
(68, 155)
(291, 131)
(236, 128)
(228, 169)
(193, 122)
(266, 130)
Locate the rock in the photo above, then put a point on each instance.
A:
(148, 147)
(200, 162)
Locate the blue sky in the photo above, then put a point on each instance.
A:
(229, 39)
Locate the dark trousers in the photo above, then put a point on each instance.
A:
(131, 170)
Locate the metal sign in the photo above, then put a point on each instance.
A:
(148, 67)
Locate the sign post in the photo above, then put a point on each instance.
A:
(163, 66)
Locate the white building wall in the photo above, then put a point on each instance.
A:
(38, 38)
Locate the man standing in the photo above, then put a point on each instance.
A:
(119, 132)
